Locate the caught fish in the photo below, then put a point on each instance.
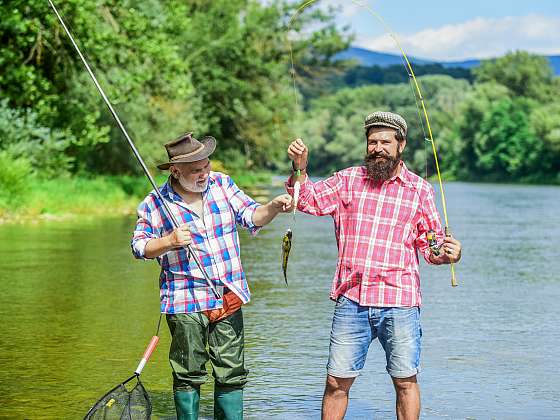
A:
(286, 246)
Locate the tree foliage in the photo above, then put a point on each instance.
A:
(218, 68)
(504, 126)
(524, 74)
(222, 68)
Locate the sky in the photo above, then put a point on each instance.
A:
(454, 30)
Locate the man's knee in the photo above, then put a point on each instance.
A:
(338, 385)
(405, 384)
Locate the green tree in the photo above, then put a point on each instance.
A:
(241, 73)
(131, 53)
(524, 74)
(168, 67)
(23, 137)
(333, 125)
(505, 145)
(472, 112)
(545, 121)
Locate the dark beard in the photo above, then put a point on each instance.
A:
(382, 169)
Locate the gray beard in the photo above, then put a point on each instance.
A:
(191, 187)
(382, 169)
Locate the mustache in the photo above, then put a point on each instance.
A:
(380, 165)
(375, 155)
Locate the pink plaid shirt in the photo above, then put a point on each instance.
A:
(379, 228)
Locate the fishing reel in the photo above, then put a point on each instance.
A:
(432, 242)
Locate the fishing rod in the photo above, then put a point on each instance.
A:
(172, 216)
(419, 99)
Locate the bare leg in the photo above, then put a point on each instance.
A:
(335, 398)
(408, 398)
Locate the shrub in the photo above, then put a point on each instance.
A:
(23, 136)
(14, 175)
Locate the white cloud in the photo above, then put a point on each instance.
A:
(476, 38)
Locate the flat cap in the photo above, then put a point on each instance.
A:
(386, 119)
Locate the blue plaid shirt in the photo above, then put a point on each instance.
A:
(183, 288)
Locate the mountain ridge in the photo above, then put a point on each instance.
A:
(374, 58)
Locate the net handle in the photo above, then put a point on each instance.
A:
(149, 350)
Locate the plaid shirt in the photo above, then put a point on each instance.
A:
(183, 288)
(379, 228)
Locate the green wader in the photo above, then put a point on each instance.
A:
(190, 334)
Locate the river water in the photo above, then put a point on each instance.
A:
(77, 311)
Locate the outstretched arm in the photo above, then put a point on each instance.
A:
(263, 215)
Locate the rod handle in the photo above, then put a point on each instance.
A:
(453, 279)
(149, 350)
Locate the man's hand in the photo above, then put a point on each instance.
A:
(283, 203)
(179, 238)
(297, 152)
(450, 252)
(264, 214)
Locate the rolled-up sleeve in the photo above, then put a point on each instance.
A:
(243, 206)
(318, 198)
(429, 221)
(144, 230)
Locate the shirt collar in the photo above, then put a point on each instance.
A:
(403, 175)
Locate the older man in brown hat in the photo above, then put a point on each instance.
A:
(209, 207)
(382, 213)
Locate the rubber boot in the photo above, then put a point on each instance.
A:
(228, 404)
(186, 404)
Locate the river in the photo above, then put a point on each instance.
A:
(77, 311)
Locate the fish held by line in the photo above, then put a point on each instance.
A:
(286, 247)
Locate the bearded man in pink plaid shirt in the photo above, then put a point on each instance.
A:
(382, 213)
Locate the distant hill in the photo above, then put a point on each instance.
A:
(555, 63)
(373, 58)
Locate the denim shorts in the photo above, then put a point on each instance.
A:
(354, 327)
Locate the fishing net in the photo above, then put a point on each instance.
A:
(126, 401)
(129, 400)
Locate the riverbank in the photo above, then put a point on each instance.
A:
(34, 199)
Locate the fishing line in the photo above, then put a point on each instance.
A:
(419, 99)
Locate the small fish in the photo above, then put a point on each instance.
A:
(286, 246)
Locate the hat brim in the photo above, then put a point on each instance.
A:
(209, 144)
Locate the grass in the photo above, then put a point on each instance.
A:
(62, 198)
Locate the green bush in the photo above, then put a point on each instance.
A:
(14, 176)
(23, 137)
